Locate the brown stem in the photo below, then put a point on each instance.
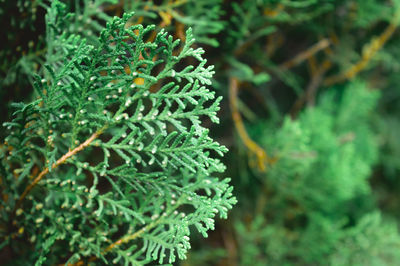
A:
(60, 161)
(261, 200)
(316, 82)
(321, 45)
(309, 94)
(122, 240)
(374, 46)
(237, 119)
(230, 245)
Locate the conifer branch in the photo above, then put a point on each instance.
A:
(60, 161)
(159, 150)
(109, 158)
(123, 240)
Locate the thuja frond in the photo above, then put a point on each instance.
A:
(203, 16)
(114, 144)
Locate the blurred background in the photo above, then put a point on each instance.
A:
(311, 116)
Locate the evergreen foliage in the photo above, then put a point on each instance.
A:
(112, 119)
(123, 98)
(324, 161)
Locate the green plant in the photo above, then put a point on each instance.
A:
(309, 113)
(111, 162)
(318, 189)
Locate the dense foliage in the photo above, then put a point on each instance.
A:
(112, 119)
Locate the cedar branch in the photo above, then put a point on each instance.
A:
(122, 240)
(60, 161)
